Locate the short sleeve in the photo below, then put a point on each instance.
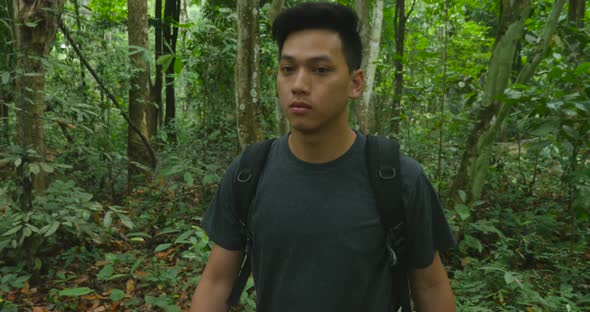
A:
(220, 220)
(428, 230)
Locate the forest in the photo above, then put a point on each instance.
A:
(118, 119)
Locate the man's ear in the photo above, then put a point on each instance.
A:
(357, 84)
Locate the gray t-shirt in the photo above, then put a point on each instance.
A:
(318, 243)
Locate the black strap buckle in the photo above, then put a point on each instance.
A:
(395, 244)
(387, 173)
(244, 176)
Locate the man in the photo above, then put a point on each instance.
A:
(317, 238)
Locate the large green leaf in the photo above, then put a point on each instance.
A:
(76, 292)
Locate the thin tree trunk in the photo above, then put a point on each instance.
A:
(35, 27)
(371, 68)
(139, 92)
(576, 11)
(443, 95)
(79, 24)
(275, 9)
(7, 66)
(171, 15)
(362, 9)
(399, 28)
(247, 73)
(156, 117)
(474, 165)
(282, 123)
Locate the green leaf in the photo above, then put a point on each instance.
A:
(116, 276)
(17, 162)
(136, 264)
(46, 167)
(162, 247)
(108, 219)
(76, 292)
(106, 272)
(178, 65)
(5, 78)
(34, 169)
(509, 278)
(188, 179)
(463, 211)
(126, 220)
(182, 237)
(209, 179)
(463, 196)
(52, 229)
(473, 243)
(569, 131)
(38, 264)
(13, 230)
(583, 68)
(117, 294)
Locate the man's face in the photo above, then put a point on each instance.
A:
(314, 82)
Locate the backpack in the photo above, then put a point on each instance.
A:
(383, 163)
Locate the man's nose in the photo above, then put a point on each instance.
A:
(301, 83)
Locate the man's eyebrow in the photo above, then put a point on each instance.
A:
(318, 58)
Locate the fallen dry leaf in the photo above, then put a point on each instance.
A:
(141, 274)
(26, 290)
(130, 287)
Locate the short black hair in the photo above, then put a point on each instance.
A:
(325, 16)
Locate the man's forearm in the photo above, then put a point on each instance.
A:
(210, 297)
(436, 298)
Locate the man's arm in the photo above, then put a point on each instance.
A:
(217, 281)
(431, 290)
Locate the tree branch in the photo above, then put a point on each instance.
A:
(109, 94)
(411, 10)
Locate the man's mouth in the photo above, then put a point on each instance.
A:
(299, 108)
(298, 104)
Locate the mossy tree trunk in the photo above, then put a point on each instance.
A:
(139, 93)
(35, 26)
(363, 9)
(282, 123)
(371, 65)
(247, 73)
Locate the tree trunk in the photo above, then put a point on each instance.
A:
(247, 73)
(576, 12)
(7, 66)
(35, 26)
(282, 123)
(275, 9)
(171, 16)
(79, 25)
(371, 65)
(157, 114)
(399, 28)
(474, 165)
(139, 91)
(362, 9)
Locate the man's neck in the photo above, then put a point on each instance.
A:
(322, 146)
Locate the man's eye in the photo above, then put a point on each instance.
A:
(287, 69)
(321, 70)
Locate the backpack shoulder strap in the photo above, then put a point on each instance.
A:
(250, 169)
(383, 163)
(384, 170)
